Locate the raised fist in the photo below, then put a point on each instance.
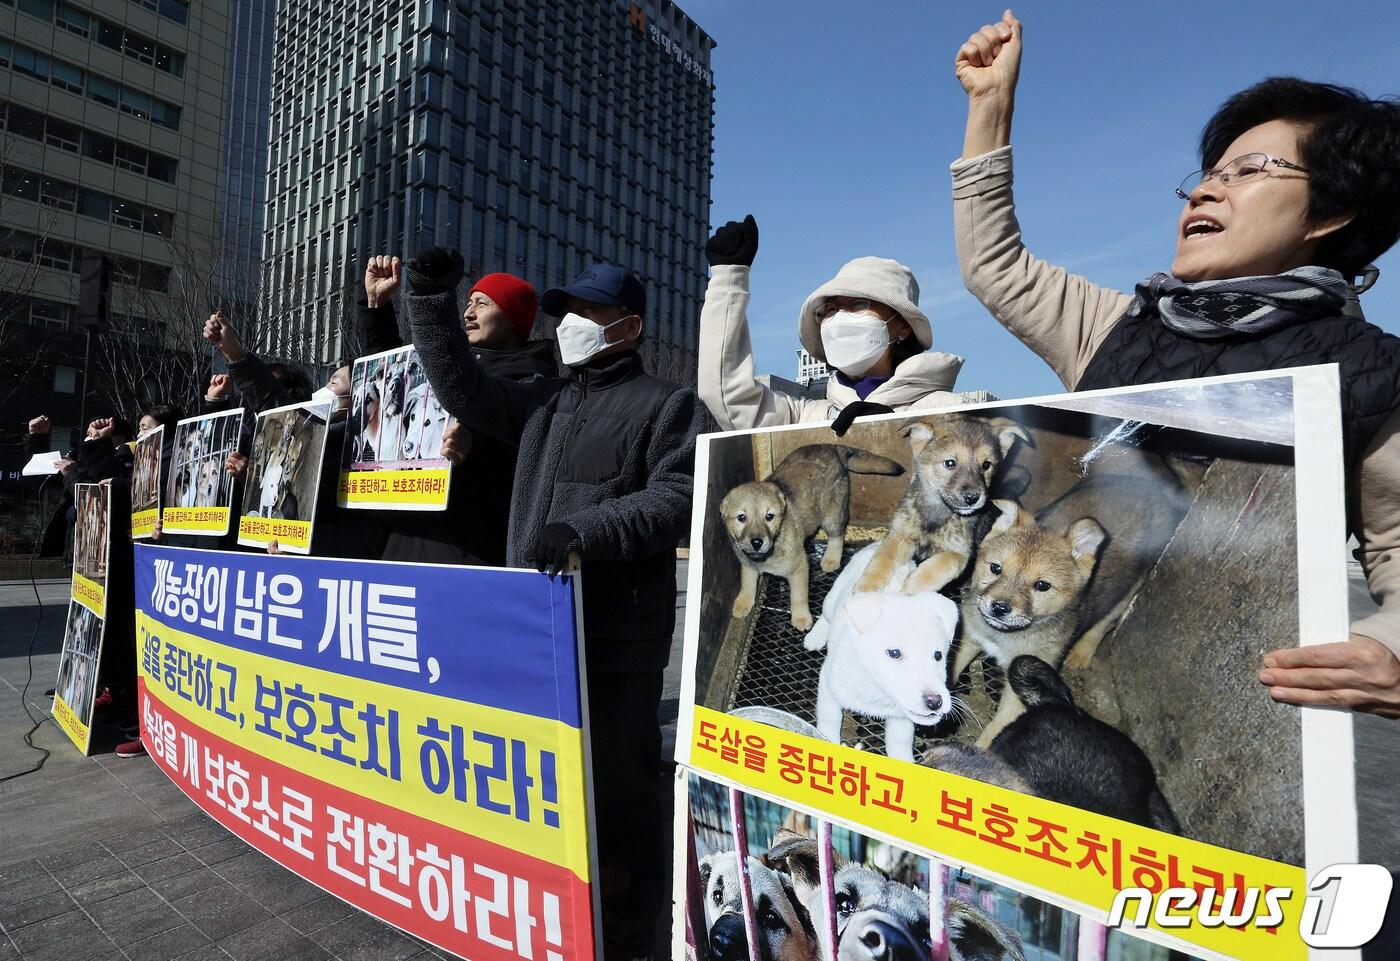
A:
(435, 270)
(220, 386)
(990, 61)
(218, 332)
(39, 425)
(735, 243)
(382, 278)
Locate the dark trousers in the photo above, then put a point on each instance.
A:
(625, 737)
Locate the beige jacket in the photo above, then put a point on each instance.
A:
(739, 401)
(1065, 318)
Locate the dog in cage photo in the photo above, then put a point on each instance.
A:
(880, 893)
(1055, 583)
(783, 919)
(886, 655)
(879, 918)
(944, 512)
(770, 521)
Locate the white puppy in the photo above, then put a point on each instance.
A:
(886, 656)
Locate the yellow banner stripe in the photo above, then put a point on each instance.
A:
(195, 520)
(923, 807)
(76, 730)
(91, 594)
(565, 845)
(143, 523)
(373, 488)
(289, 535)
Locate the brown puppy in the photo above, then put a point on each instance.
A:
(770, 520)
(1063, 578)
(941, 517)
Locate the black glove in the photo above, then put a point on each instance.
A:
(860, 408)
(434, 271)
(735, 243)
(553, 547)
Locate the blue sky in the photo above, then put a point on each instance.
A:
(836, 122)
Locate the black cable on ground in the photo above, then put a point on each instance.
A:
(33, 639)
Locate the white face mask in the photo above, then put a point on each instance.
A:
(854, 342)
(324, 395)
(580, 338)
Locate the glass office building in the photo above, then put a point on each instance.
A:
(243, 188)
(534, 136)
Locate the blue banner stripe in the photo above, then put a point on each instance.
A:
(499, 638)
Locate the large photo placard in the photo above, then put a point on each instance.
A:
(392, 456)
(339, 717)
(1025, 637)
(83, 631)
(146, 483)
(284, 478)
(199, 491)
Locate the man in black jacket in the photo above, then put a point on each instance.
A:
(499, 317)
(604, 471)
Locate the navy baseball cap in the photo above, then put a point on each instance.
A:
(599, 284)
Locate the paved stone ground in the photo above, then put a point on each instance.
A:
(104, 858)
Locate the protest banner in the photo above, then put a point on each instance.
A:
(199, 491)
(1036, 654)
(391, 458)
(87, 610)
(284, 477)
(146, 483)
(409, 737)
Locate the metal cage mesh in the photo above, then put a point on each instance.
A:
(774, 669)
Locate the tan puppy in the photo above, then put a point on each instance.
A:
(770, 520)
(942, 515)
(1063, 578)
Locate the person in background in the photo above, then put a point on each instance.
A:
(605, 473)
(498, 319)
(1299, 193)
(865, 323)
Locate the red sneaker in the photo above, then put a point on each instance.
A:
(131, 749)
(102, 701)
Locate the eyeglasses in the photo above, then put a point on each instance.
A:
(830, 308)
(1237, 171)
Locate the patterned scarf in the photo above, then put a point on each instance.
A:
(1211, 309)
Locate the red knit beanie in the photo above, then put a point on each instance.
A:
(514, 296)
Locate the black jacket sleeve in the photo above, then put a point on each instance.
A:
(654, 519)
(378, 326)
(494, 406)
(37, 444)
(261, 391)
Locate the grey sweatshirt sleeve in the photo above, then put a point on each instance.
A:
(494, 406)
(654, 519)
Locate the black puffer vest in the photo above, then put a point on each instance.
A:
(1142, 350)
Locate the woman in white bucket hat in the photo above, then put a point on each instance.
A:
(864, 323)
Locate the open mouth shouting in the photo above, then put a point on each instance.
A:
(1200, 226)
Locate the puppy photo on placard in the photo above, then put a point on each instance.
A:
(943, 515)
(770, 521)
(1054, 584)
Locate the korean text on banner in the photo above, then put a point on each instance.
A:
(408, 737)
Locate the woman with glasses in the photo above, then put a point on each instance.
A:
(1299, 193)
(864, 323)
